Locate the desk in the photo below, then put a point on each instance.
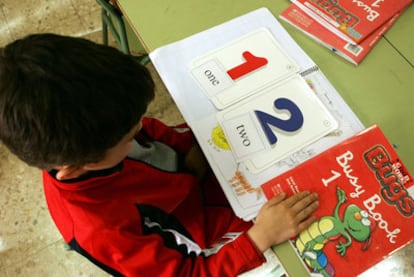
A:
(380, 90)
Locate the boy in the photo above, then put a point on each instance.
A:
(127, 192)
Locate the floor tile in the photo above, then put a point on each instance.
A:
(5, 32)
(89, 13)
(25, 224)
(25, 17)
(54, 261)
(2, 267)
(97, 37)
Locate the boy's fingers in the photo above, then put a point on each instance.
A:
(307, 211)
(294, 199)
(306, 223)
(304, 202)
(277, 199)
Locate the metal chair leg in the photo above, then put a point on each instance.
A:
(111, 16)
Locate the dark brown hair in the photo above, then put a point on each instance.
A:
(66, 100)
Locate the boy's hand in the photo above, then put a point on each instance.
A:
(281, 219)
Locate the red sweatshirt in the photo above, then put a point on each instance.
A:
(137, 220)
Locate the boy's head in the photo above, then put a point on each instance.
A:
(66, 101)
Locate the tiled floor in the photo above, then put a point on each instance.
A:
(29, 242)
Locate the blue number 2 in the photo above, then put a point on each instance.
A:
(292, 124)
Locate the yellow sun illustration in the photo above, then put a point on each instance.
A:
(219, 138)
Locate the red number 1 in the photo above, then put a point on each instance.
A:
(252, 63)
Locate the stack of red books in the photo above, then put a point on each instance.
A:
(350, 28)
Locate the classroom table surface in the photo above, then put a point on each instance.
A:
(380, 90)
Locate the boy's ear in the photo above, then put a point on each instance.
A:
(67, 172)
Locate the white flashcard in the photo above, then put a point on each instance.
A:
(242, 67)
(277, 122)
(244, 135)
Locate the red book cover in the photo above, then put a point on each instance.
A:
(356, 19)
(366, 204)
(354, 53)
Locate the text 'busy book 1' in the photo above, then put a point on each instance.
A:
(366, 204)
(352, 20)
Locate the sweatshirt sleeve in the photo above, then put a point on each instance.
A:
(178, 137)
(150, 256)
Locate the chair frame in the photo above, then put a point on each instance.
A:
(110, 16)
